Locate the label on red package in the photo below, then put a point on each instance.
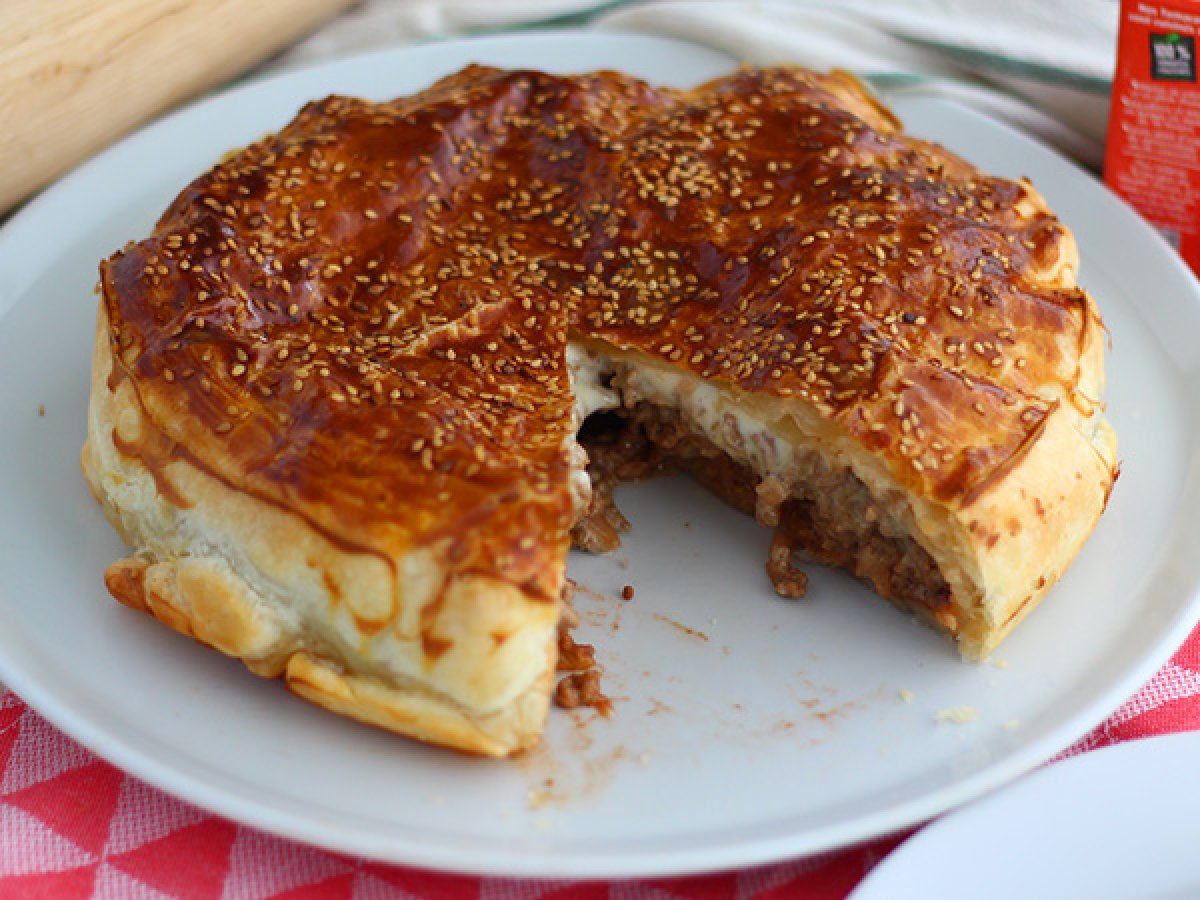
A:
(1152, 155)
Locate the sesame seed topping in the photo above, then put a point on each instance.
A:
(760, 230)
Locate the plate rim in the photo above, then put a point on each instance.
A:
(887, 819)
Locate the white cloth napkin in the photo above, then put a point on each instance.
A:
(1042, 65)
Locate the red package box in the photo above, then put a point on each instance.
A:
(1152, 155)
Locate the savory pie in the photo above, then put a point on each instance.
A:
(337, 392)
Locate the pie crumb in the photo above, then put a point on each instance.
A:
(959, 715)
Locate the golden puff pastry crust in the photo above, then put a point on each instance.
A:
(333, 414)
(406, 637)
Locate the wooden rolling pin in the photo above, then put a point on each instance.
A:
(77, 74)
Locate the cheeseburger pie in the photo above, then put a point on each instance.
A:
(336, 394)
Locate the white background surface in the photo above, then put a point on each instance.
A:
(746, 728)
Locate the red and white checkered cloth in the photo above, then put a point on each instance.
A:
(72, 826)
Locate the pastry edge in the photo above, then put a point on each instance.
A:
(228, 588)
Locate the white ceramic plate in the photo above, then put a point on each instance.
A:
(746, 729)
(1116, 823)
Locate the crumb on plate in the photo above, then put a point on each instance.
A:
(959, 715)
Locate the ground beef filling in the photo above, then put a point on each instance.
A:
(618, 451)
(581, 686)
(828, 516)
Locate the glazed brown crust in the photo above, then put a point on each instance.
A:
(360, 322)
(308, 306)
(809, 249)
(390, 284)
